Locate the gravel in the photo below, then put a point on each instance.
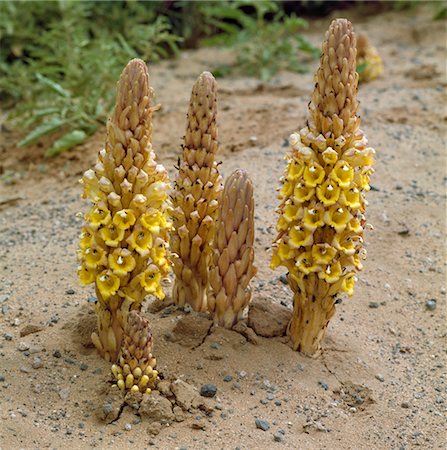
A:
(431, 304)
(23, 346)
(262, 424)
(208, 390)
(37, 363)
(228, 378)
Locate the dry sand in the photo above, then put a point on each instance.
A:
(381, 381)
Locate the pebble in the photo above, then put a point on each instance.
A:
(37, 363)
(208, 390)
(215, 345)
(431, 304)
(242, 373)
(187, 308)
(128, 427)
(323, 385)
(380, 377)
(270, 396)
(262, 424)
(64, 393)
(8, 336)
(405, 405)
(70, 291)
(107, 408)
(23, 346)
(278, 437)
(57, 354)
(2, 378)
(24, 369)
(228, 378)
(83, 366)
(373, 305)
(283, 279)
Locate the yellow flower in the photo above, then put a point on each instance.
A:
(355, 225)
(306, 264)
(328, 193)
(86, 276)
(282, 224)
(313, 174)
(151, 278)
(351, 198)
(346, 242)
(124, 219)
(97, 216)
(107, 284)
(111, 235)
(295, 170)
(299, 237)
(332, 273)
(337, 217)
(284, 251)
(361, 179)
(330, 156)
(323, 253)
(343, 174)
(153, 220)
(94, 257)
(302, 193)
(141, 241)
(313, 217)
(287, 188)
(291, 211)
(158, 252)
(348, 282)
(86, 240)
(121, 261)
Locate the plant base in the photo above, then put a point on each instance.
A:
(194, 293)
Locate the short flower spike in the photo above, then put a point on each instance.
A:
(368, 57)
(321, 223)
(125, 232)
(135, 369)
(232, 265)
(195, 197)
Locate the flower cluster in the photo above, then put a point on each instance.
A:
(123, 245)
(321, 223)
(369, 59)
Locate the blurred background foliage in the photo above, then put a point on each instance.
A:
(60, 60)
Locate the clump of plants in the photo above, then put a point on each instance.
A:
(321, 215)
(124, 240)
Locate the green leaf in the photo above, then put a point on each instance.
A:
(52, 85)
(42, 130)
(66, 142)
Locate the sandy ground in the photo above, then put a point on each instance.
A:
(381, 381)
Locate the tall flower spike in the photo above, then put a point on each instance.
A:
(195, 197)
(124, 256)
(369, 58)
(135, 370)
(322, 246)
(232, 265)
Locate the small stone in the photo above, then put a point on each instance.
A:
(323, 385)
(57, 354)
(215, 345)
(373, 305)
(64, 393)
(208, 390)
(242, 373)
(37, 388)
(283, 279)
(262, 424)
(278, 437)
(83, 366)
(228, 378)
(128, 427)
(70, 291)
(270, 396)
(24, 369)
(187, 308)
(107, 408)
(91, 299)
(37, 363)
(380, 377)
(154, 428)
(278, 403)
(2, 378)
(8, 336)
(352, 409)
(405, 405)
(23, 346)
(431, 304)
(268, 319)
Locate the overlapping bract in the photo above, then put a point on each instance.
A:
(321, 223)
(232, 263)
(195, 198)
(123, 246)
(135, 371)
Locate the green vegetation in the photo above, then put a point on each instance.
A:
(59, 60)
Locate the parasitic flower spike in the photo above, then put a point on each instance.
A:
(127, 221)
(320, 243)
